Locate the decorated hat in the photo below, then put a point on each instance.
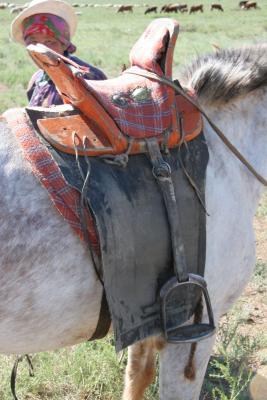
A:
(55, 7)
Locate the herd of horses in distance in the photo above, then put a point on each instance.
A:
(183, 8)
(166, 8)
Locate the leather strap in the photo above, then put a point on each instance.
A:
(162, 172)
(14, 373)
(104, 320)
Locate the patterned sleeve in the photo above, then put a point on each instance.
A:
(32, 83)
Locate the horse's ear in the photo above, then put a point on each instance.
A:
(216, 48)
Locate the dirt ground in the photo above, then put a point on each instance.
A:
(255, 295)
(252, 309)
(3, 88)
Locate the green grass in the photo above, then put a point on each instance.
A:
(238, 352)
(91, 371)
(104, 38)
(230, 369)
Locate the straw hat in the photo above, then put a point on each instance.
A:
(55, 7)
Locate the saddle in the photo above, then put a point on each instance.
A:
(140, 111)
(118, 115)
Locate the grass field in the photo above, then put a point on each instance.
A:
(104, 38)
(91, 371)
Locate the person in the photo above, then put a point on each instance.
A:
(51, 23)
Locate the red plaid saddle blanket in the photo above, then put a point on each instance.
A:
(65, 198)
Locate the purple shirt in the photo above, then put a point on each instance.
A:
(42, 90)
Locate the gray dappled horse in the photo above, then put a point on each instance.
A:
(50, 297)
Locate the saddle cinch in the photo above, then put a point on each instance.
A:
(132, 114)
(117, 115)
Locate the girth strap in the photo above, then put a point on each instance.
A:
(162, 172)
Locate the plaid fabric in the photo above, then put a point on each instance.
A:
(139, 106)
(65, 198)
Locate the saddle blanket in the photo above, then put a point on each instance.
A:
(128, 210)
(65, 198)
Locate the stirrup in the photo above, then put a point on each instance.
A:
(178, 301)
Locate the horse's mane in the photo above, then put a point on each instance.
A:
(226, 74)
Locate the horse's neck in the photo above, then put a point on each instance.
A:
(244, 123)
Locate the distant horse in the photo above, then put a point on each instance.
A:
(242, 3)
(197, 8)
(122, 9)
(249, 5)
(183, 8)
(171, 8)
(16, 9)
(151, 9)
(216, 6)
(163, 7)
(50, 296)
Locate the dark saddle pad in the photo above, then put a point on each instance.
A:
(133, 231)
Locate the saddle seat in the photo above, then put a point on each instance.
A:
(128, 109)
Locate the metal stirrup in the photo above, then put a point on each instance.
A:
(187, 286)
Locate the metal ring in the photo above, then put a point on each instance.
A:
(163, 170)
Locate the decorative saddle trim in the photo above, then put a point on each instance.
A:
(127, 109)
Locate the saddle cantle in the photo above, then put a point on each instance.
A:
(118, 115)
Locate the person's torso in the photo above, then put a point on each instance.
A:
(43, 91)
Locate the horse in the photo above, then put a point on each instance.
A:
(163, 7)
(249, 5)
(171, 8)
(183, 8)
(197, 8)
(122, 9)
(216, 6)
(50, 295)
(151, 9)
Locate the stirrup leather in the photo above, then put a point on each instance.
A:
(180, 295)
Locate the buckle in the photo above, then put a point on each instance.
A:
(178, 304)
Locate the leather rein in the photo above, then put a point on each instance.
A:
(179, 90)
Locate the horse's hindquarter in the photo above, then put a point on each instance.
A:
(49, 295)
